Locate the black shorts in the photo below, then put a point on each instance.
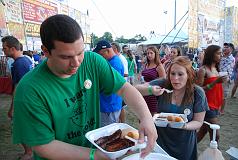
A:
(211, 114)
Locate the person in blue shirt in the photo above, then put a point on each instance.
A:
(110, 105)
(21, 65)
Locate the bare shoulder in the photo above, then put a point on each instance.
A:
(202, 71)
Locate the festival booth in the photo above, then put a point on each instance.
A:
(175, 36)
(5, 78)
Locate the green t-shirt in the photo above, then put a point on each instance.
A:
(47, 107)
(131, 66)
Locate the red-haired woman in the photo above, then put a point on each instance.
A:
(186, 98)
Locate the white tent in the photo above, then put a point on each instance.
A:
(181, 37)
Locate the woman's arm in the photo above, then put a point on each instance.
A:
(161, 71)
(197, 121)
(200, 76)
(58, 150)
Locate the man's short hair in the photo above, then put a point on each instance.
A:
(61, 28)
(21, 47)
(230, 45)
(117, 46)
(12, 42)
(124, 46)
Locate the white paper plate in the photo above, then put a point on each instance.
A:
(106, 131)
(151, 156)
(160, 122)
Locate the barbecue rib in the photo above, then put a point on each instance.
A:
(114, 142)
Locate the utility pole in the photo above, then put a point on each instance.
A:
(175, 14)
(165, 13)
(3, 3)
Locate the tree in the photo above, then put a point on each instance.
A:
(94, 40)
(140, 38)
(107, 36)
(121, 40)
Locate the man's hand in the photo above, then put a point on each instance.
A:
(99, 155)
(147, 128)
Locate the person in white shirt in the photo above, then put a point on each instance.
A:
(116, 48)
(226, 65)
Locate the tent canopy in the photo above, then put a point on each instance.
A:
(181, 37)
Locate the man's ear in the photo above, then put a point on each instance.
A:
(45, 51)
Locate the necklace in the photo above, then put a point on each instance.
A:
(177, 98)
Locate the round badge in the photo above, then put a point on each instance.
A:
(88, 84)
(187, 111)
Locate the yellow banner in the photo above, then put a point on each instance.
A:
(64, 9)
(17, 30)
(2, 17)
(32, 30)
(192, 24)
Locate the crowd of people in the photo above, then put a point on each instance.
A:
(69, 92)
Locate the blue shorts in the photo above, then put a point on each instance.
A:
(211, 114)
(109, 118)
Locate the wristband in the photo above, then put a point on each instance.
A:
(209, 86)
(92, 153)
(150, 90)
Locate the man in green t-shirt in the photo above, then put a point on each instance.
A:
(58, 102)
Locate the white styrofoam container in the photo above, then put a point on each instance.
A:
(159, 122)
(151, 156)
(165, 123)
(106, 131)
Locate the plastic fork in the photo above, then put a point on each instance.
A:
(140, 146)
(167, 90)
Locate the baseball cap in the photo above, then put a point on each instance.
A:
(102, 45)
(199, 49)
(230, 45)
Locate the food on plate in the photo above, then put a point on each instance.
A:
(103, 141)
(114, 142)
(130, 133)
(119, 144)
(175, 118)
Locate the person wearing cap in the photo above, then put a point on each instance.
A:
(226, 65)
(235, 76)
(110, 105)
(61, 101)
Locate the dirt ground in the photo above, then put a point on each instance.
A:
(228, 131)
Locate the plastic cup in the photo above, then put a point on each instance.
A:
(223, 74)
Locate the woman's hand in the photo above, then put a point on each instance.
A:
(221, 79)
(157, 90)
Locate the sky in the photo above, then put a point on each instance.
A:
(131, 17)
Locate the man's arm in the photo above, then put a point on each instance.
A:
(136, 102)
(57, 150)
(10, 111)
